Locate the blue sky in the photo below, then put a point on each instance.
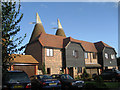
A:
(88, 21)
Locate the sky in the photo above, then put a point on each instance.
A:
(87, 21)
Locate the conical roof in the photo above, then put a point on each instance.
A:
(60, 31)
(38, 29)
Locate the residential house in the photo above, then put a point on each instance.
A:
(90, 56)
(106, 55)
(62, 54)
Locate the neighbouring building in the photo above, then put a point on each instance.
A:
(25, 63)
(106, 55)
(89, 56)
(65, 54)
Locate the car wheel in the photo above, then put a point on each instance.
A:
(113, 79)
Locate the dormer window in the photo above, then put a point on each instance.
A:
(106, 55)
(75, 53)
(112, 56)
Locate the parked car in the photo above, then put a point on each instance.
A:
(44, 81)
(110, 74)
(14, 80)
(67, 81)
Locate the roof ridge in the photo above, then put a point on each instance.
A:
(83, 41)
(104, 44)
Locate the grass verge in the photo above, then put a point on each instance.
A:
(93, 84)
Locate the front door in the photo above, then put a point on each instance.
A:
(70, 69)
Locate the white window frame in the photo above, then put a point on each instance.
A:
(75, 53)
(49, 52)
(86, 55)
(112, 56)
(106, 55)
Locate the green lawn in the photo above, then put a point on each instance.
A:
(102, 85)
(112, 84)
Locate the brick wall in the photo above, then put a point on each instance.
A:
(35, 49)
(54, 62)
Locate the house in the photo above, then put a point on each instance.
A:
(106, 55)
(65, 54)
(73, 57)
(25, 63)
(62, 54)
(90, 55)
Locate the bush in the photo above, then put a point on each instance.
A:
(98, 79)
(78, 77)
(100, 82)
(85, 76)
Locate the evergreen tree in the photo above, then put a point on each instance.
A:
(11, 17)
(118, 61)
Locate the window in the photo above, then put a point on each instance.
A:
(94, 55)
(48, 70)
(79, 70)
(112, 56)
(86, 55)
(75, 53)
(49, 52)
(106, 55)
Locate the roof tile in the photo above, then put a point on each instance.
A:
(24, 59)
(48, 40)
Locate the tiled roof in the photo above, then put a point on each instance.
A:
(24, 59)
(49, 40)
(104, 44)
(88, 46)
(100, 46)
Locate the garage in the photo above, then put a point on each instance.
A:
(25, 63)
(29, 69)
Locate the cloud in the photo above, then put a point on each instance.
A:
(53, 23)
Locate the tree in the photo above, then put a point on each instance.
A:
(118, 61)
(43, 69)
(85, 75)
(11, 17)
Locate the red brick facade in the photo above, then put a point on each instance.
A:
(53, 62)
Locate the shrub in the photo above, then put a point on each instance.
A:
(61, 72)
(98, 79)
(78, 77)
(85, 76)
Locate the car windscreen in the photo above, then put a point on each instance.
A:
(66, 77)
(118, 72)
(13, 77)
(44, 77)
